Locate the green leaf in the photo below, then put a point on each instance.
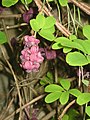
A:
(66, 49)
(72, 37)
(50, 0)
(56, 46)
(3, 38)
(63, 2)
(65, 117)
(87, 110)
(75, 92)
(52, 97)
(49, 22)
(76, 59)
(51, 29)
(73, 114)
(34, 25)
(53, 88)
(8, 3)
(26, 1)
(86, 46)
(88, 58)
(86, 31)
(85, 82)
(65, 84)
(64, 97)
(40, 20)
(49, 75)
(60, 39)
(83, 98)
(72, 44)
(45, 33)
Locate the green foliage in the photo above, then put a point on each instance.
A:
(3, 38)
(64, 97)
(48, 79)
(83, 98)
(65, 117)
(57, 46)
(8, 3)
(63, 2)
(49, 22)
(44, 26)
(65, 84)
(86, 31)
(85, 82)
(53, 88)
(34, 24)
(75, 92)
(52, 97)
(76, 59)
(87, 110)
(40, 20)
(26, 1)
(46, 34)
(72, 37)
(73, 114)
(62, 92)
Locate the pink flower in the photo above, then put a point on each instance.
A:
(34, 49)
(25, 54)
(30, 41)
(31, 57)
(36, 57)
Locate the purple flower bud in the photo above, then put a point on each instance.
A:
(50, 54)
(13, 42)
(28, 15)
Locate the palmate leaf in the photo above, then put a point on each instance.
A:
(8, 3)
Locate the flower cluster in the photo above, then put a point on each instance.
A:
(31, 56)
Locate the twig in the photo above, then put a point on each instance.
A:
(10, 16)
(14, 26)
(5, 29)
(15, 78)
(48, 116)
(65, 109)
(83, 6)
(24, 106)
(48, 13)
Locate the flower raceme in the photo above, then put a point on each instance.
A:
(31, 57)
